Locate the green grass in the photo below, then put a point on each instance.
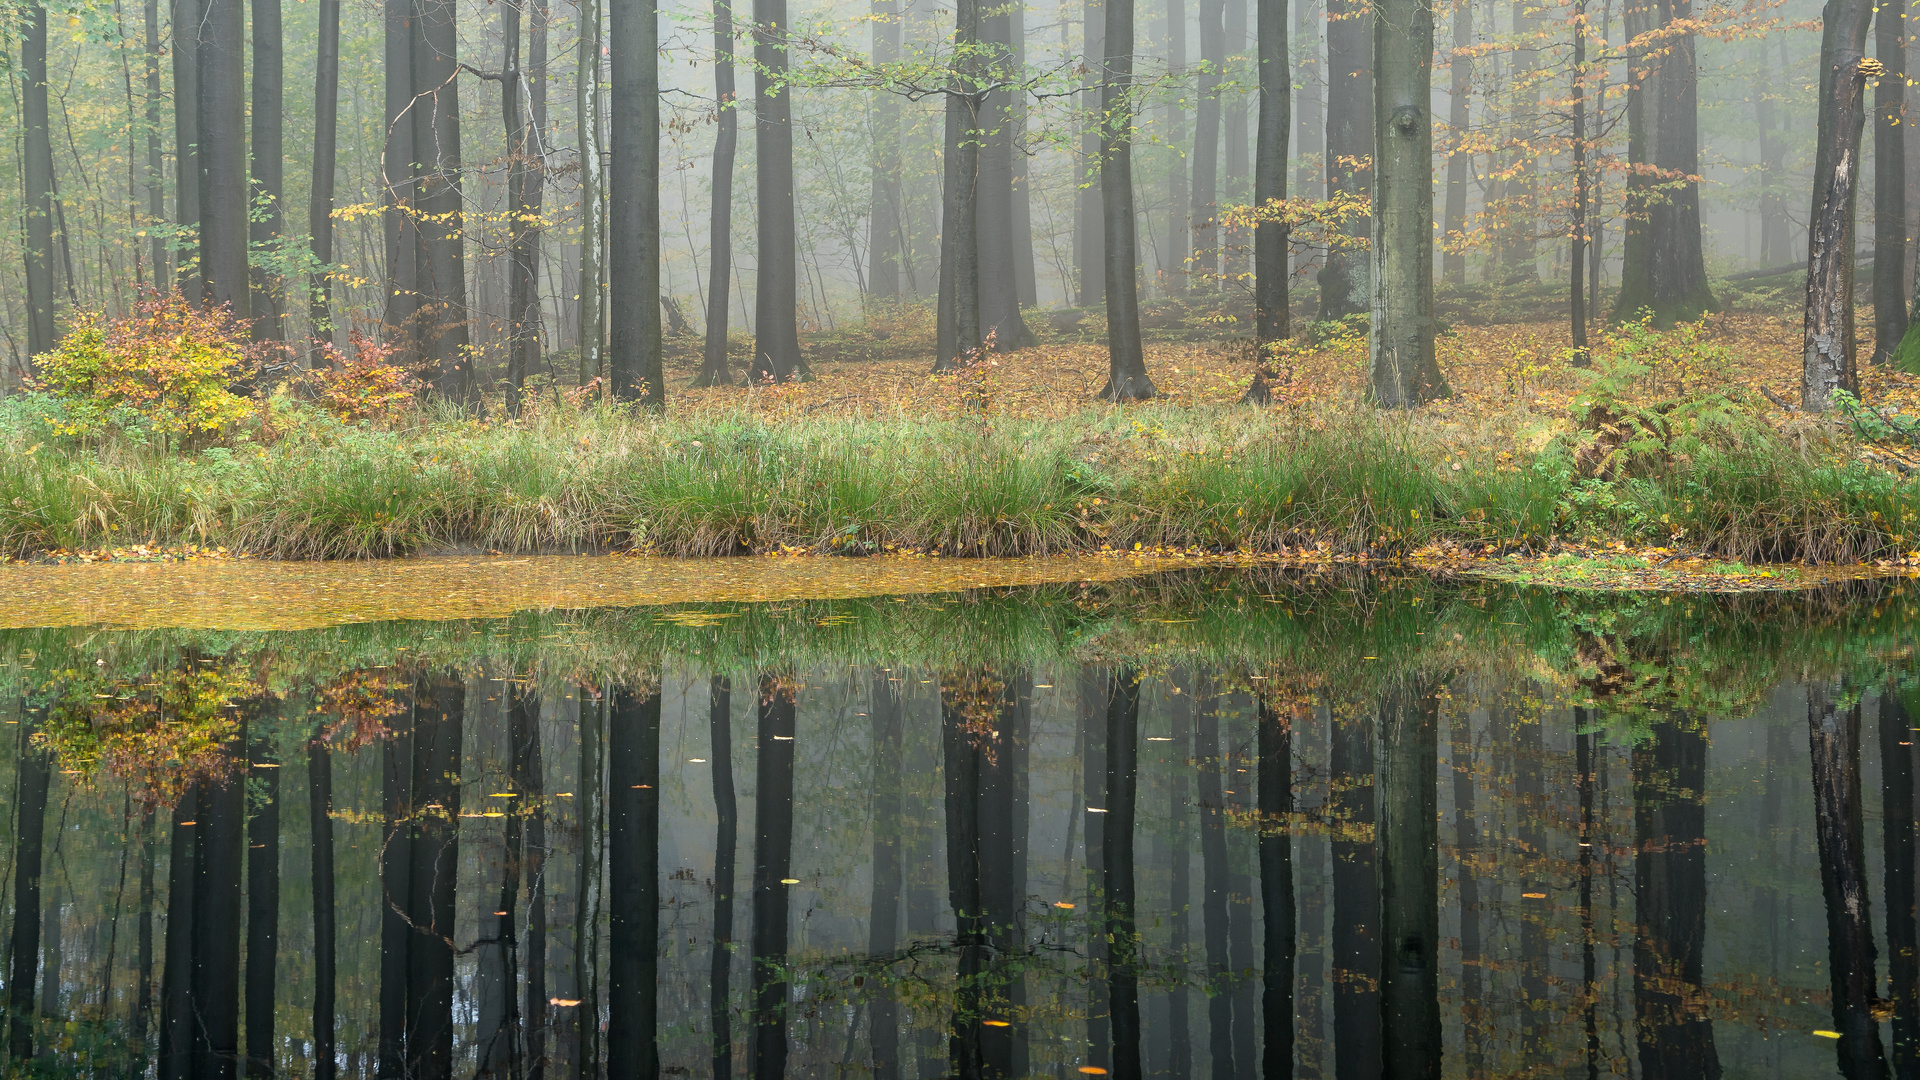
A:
(1219, 479)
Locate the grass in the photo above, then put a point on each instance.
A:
(1332, 478)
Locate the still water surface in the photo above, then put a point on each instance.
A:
(1212, 824)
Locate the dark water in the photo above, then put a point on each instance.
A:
(1206, 825)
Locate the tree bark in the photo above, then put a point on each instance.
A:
(34, 774)
(1270, 238)
(184, 22)
(1889, 186)
(440, 260)
(320, 838)
(1828, 363)
(1123, 743)
(1903, 916)
(1403, 372)
(1663, 269)
(883, 922)
(214, 984)
(143, 960)
(263, 906)
(529, 780)
(998, 252)
(725, 850)
(267, 217)
(326, 117)
(1834, 742)
(396, 892)
(586, 904)
(1089, 235)
(439, 717)
(1173, 260)
(1280, 946)
(37, 171)
(1214, 888)
(399, 192)
(592, 206)
(1344, 286)
(633, 206)
(1356, 903)
(1409, 847)
(176, 978)
(1127, 378)
(714, 369)
(957, 330)
(633, 861)
(526, 168)
(1026, 284)
(1204, 262)
(1093, 689)
(1233, 156)
(224, 191)
(1670, 908)
(884, 235)
(772, 873)
(1453, 261)
(776, 347)
(1179, 823)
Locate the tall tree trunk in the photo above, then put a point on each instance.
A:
(1889, 186)
(176, 978)
(1403, 372)
(1356, 903)
(529, 174)
(326, 124)
(592, 206)
(320, 838)
(1828, 335)
(34, 774)
(726, 810)
(1233, 156)
(1123, 745)
(957, 331)
(1662, 267)
(214, 985)
(1214, 888)
(224, 203)
(1773, 153)
(884, 234)
(1344, 288)
(399, 192)
(633, 860)
(1281, 939)
(1310, 143)
(885, 708)
(1127, 378)
(263, 905)
(1204, 226)
(1026, 284)
(633, 206)
(440, 260)
(998, 254)
(1577, 254)
(1453, 262)
(1517, 220)
(267, 217)
(396, 892)
(514, 121)
(1834, 741)
(776, 347)
(1270, 300)
(713, 369)
(1903, 933)
(772, 875)
(439, 717)
(1089, 235)
(1409, 847)
(1173, 260)
(37, 171)
(155, 181)
(1670, 906)
(184, 21)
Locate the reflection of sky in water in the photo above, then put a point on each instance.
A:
(1631, 803)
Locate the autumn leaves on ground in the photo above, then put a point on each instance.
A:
(1667, 453)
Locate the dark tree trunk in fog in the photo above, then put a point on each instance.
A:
(214, 983)
(439, 717)
(633, 879)
(1123, 945)
(1233, 152)
(1126, 360)
(713, 366)
(1204, 225)
(1582, 208)
(37, 173)
(1403, 372)
(1092, 704)
(978, 729)
(586, 893)
(143, 960)
(772, 870)
(1270, 299)
(999, 279)
(587, 111)
(1089, 235)
(1584, 777)
(1828, 363)
(958, 333)
(183, 19)
(320, 824)
(222, 107)
(1309, 33)
(776, 347)
(885, 234)
(400, 323)
(526, 127)
(1179, 818)
(1889, 186)
(1460, 752)
(263, 907)
(497, 1039)
(633, 205)
(1670, 903)
(886, 712)
(440, 261)
(1026, 285)
(326, 115)
(1281, 940)
(33, 777)
(396, 891)
(1453, 263)
(1834, 741)
(155, 179)
(1214, 887)
(1662, 268)
(529, 770)
(1903, 937)
(1343, 280)
(1173, 261)
(176, 978)
(1409, 850)
(267, 217)
(725, 844)
(1356, 905)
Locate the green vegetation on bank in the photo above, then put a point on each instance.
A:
(302, 484)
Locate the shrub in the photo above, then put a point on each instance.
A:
(364, 386)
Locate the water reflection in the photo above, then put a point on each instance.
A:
(1233, 827)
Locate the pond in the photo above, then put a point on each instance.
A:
(860, 818)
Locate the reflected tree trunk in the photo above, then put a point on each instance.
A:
(143, 961)
(439, 719)
(214, 982)
(1123, 941)
(1093, 683)
(633, 881)
(320, 825)
(1670, 883)
(1467, 845)
(1409, 852)
(497, 1039)
(176, 979)
(396, 856)
(1356, 902)
(725, 847)
(1214, 886)
(1833, 729)
(885, 712)
(35, 775)
(263, 906)
(586, 896)
(1281, 942)
(1589, 958)
(529, 780)
(772, 875)
(1903, 943)
(1180, 1039)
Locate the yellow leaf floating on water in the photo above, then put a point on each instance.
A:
(1827, 1034)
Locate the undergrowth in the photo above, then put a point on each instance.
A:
(306, 485)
